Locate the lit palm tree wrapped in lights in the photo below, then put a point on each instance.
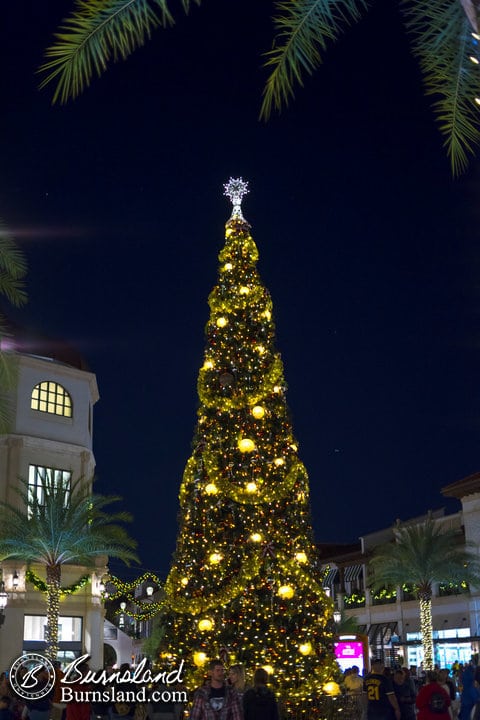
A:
(421, 555)
(66, 524)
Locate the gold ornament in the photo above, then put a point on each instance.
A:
(199, 658)
(246, 445)
(221, 322)
(258, 412)
(205, 625)
(286, 592)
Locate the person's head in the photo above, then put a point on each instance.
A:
(236, 676)
(432, 676)
(399, 677)
(442, 676)
(4, 702)
(260, 677)
(354, 670)
(216, 673)
(378, 666)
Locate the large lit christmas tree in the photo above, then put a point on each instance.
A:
(245, 583)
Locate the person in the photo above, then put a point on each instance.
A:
(57, 706)
(381, 701)
(39, 708)
(163, 709)
(75, 709)
(450, 688)
(470, 694)
(216, 700)
(259, 702)
(354, 687)
(122, 709)
(433, 701)
(405, 695)
(5, 712)
(236, 678)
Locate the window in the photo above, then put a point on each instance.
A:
(50, 397)
(39, 476)
(69, 628)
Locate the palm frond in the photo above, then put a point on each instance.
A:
(303, 31)
(96, 33)
(424, 554)
(443, 41)
(67, 526)
(13, 268)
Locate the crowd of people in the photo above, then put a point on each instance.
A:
(222, 697)
(404, 694)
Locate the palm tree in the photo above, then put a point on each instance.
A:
(421, 555)
(62, 524)
(444, 35)
(13, 269)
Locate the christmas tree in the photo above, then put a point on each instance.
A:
(245, 584)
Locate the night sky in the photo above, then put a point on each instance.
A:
(368, 247)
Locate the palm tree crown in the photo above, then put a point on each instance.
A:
(62, 524)
(421, 555)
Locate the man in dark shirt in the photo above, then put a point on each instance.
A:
(381, 701)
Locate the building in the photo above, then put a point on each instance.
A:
(391, 619)
(51, 436)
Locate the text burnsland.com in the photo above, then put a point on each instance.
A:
(111, 692)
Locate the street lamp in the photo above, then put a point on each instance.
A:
(15, 581)
(337, 616)
(149, 590)
(3, 602)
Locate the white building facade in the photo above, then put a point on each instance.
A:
(391, 619)
(50, 437)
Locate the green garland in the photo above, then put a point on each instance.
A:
(41, 585)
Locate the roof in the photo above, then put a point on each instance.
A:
(28, 342)
(467, 486)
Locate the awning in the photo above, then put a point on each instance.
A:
(329, 577)
(352, 572)
(378, 633)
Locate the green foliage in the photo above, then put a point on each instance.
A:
(303, 29)
(424, 554)
(71, 526)
(442, 40)
(100, 31)
(97, 33)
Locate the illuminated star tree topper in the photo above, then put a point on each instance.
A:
(235, 189)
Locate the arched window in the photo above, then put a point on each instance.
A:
(50, 397)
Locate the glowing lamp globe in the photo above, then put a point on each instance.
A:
(246, 445)
(331, 688)
(211, 489)
(222, 321)
(256, 537)
(301, 557)
(199, 658)
(268, 668)
(286, 592)
(205, 625)
(251, 487)
(305, 648)
(215, 558)
(258, 412)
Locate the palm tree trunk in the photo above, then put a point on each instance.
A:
(426, 628)
(53, 609)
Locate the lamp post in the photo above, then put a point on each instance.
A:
(3, 602)
(337, 616)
